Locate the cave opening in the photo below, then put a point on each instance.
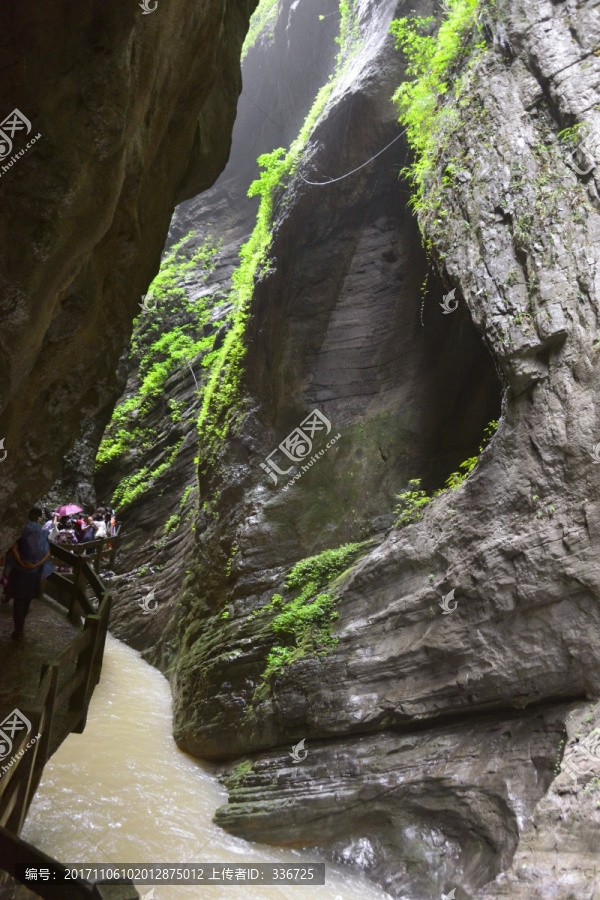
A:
(461, 390)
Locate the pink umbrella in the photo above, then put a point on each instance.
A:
(69, 510)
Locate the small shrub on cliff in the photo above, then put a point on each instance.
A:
(323, 568)
(413, 501)
(263, 17)
(303, 623)
(427, 102)
(455, 480)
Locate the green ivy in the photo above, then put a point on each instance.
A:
(172, 524)
(302, 623)
(413, 501)
(186, 494)
(158, 354)
(572, 136)
(264, 17)
(221, 407)
(429, 101)
(130, 488)
(455, 480)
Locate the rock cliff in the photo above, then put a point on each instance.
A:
(437, 670)
(128, 113)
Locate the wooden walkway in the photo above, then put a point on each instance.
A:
(47, 631)
(51, 679)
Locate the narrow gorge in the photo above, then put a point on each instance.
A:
(308, 292)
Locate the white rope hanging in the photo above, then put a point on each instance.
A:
(358, 168)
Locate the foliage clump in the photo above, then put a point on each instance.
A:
(429, 102)
(413, 501)
(263, 17)
(221, 406)
(302, 624)
(158, 351)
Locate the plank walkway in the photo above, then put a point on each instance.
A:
(49, 677)
(47, 632)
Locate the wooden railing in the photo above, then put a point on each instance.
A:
(100, 550)
(66, 685)
(72, 590)
(15, 851)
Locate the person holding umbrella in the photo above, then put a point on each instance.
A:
(66, 536)
(70, 536)
(69, 510)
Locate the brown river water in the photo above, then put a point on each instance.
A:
(122, 792)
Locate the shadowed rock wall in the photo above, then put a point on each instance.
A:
(434, 741)
(135, 114)
(282, 73)
(517, 542)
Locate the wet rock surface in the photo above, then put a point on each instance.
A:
(419, 812)
(135, 114)
(558, 852)
(434, 740)
(517, 542)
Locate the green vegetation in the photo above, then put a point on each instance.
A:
(413, 501)
(455, 480)
(160, 352)
(571, 137)
(234, 550)
(186, 494)
(264, 17)
(221, 407)
(133, 485)
(432, 63)
(411, 504)
(303, 623)
(174, 522)
(430, 103)
(592, 785)
(238, 774)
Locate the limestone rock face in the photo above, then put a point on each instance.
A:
(418, 812)
(335, 324)
(134, 113)
(279, 88)
(434, 731)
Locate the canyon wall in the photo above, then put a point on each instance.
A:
(437, 667)
(278, 92)
(134, 113)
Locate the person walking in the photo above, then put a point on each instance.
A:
(100, 526)
(88, 533)
(66, 537)
(27, 565)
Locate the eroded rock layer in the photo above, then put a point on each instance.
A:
(135, 113)
(279, 89)
(335, 325)
(433, 667)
